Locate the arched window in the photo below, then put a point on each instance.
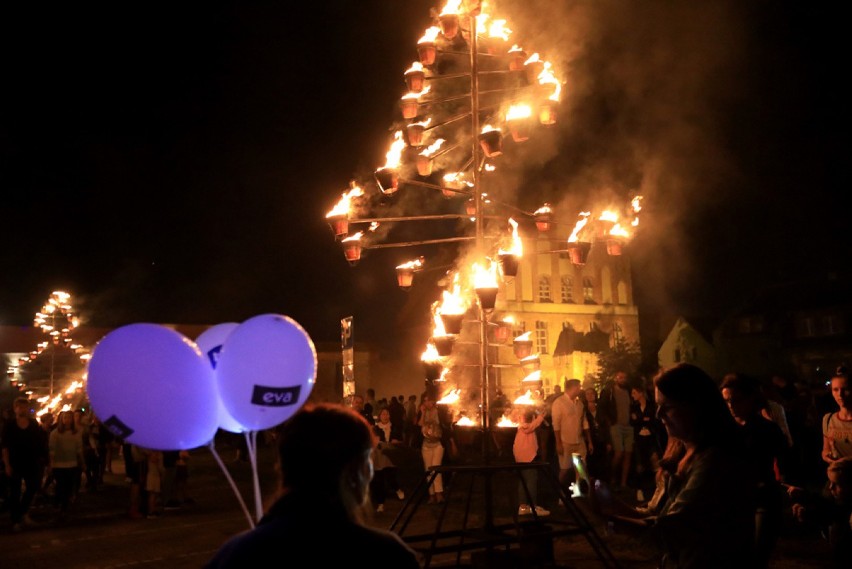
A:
(588, 291)
(567, 290)
(544, 289)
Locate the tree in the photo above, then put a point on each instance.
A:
(620, 356)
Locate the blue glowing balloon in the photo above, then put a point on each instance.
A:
(151, 386)
(210, 343)
(267, 369)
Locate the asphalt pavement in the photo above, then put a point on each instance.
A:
(99, 533)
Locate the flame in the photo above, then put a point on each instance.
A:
(430, 35)
(505, 421)
(444, 373)
(416, 264)
(534, 58)
(452, 7)
(456, 180)
(354, 237)
(518, 112)
(416, 67)
(509, 319)
(394, 155)
(450, 398)
(534, 377)
(430, 355)
(618, 231)
(453, 302)
(543, 210)
(608, 215)
(525, 399)
(484, 277)
(498, 29)
(546, 77)
(516, 49)
(490, 167)
(416, 95)
(525, 337)
(439, 329)
(343, 205)
(517, 247)
(432, 148)
(581, 223)
(489, 128)
(465, 421)
(424, 124)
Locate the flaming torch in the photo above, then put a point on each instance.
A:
(453, 308)
(405, 273)
(338, 217)
(543, 218)
(431, 362)
(616, 239)
(518, 118)
(424, 159)
(485, 284)
(522, 345)
(547, 109)
(509, 259)
(579, 250)
(491, 140)
(442, 340)
(504, 329)
(415, 77)
(517, 57)
(410, 103)
(388, 175)
(533, 66)
(454, 185)
(415, 131)
(426, 49)
(449, 19)
(352, 248)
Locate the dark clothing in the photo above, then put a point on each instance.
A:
(607, 404)
(598, 461)
(299, 526)
(28, 456)
(397, 413)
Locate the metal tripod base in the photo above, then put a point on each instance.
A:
(473, 529)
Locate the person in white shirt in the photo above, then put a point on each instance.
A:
(571, 431)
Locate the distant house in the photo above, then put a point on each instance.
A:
(686, 344)
(801, 328)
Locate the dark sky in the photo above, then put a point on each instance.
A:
(173, 162)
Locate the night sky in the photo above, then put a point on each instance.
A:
(173, 162)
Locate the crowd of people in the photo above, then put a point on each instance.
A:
(709, 470)
(51, 462)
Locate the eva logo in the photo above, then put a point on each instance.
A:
(213, 355)
(275, 396)
(117, 428)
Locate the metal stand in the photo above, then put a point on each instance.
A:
(521, 543)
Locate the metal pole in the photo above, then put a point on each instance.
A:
(477, 197)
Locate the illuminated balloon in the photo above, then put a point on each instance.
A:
(267, 369)
(151, 386)
(210, 343)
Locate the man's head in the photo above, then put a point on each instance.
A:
(21, 407)
(358, 402)
(621, 378)
(572, 388)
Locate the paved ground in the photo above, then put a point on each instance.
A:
(99, 534)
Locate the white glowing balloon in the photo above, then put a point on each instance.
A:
(151, 386)
(210, 343)
(267, 369)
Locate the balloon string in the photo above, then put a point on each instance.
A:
(232, 483)
(251, 442)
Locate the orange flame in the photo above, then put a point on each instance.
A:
(450, 398)
(452, 7)
(415, 95)
(543, 209)
(453, 302)
(415, 264)
(432, 148)
(518, 112)
(525, 337)
(343, 205)
(534, 377)
(430, 35)
(489, 128)
(354, 237)
(546, 77)
(430, 354)
(394, 155)
(525, 399)
(416, 67)
(506, 422)
(465, 421)
(517, 247)
(484, 277)
(581, 223)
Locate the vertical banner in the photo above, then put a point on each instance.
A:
(347, 344)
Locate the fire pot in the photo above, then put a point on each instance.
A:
(491, 142)
(487, 297)
(427, 53)
(579, 252)
(340, 225)
(452, 323)
(388, 180)
(449, 24)
(444, 344)
(509, 262)
(522, 348)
